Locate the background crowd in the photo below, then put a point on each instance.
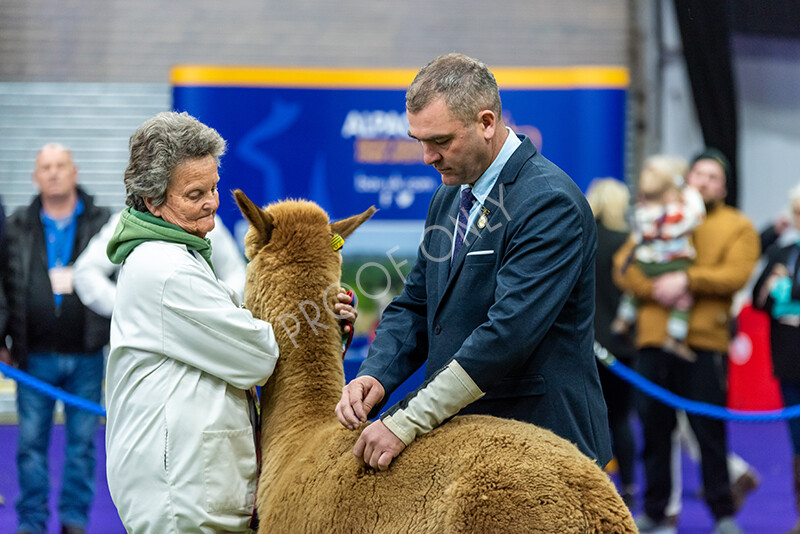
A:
(717, 260)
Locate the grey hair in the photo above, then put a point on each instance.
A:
(467, 86)
(54, 146)
(158, 146)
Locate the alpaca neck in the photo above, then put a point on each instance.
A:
(308, 378)
(312, 388)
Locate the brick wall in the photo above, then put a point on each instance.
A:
(123, 41)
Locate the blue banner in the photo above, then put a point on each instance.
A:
(339, 137)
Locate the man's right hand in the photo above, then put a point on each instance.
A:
(5, 356)
(358, 399)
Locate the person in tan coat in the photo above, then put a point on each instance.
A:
(727, 247)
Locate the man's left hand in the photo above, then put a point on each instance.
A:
(378, 446)
(669, 287)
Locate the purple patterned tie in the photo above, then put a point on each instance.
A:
(467, 200)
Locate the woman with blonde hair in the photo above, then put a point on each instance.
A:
(609, 199)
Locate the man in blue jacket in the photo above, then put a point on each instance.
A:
(54, 337)
(500, 302)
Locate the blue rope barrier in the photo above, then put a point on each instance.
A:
(689, 406)
(605, 357)
(50, 390)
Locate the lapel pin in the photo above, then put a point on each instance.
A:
(483, 217)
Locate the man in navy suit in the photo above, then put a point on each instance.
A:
(500, 302)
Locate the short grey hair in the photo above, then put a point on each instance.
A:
(53, 146)
(467, 86)
(158, 146)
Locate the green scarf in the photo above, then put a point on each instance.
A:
(136, 227)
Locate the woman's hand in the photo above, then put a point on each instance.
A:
(345, 310)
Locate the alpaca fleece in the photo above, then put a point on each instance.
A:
(474, 473)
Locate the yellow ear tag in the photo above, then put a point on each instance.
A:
(337, 242)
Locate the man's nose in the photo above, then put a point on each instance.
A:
(430, 155)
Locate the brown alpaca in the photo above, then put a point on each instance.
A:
(472, 474)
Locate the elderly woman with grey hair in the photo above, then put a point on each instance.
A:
(184, 353)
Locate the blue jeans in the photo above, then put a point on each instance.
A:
(79, 374)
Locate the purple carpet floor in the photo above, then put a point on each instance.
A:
(768, 510)
(103, 518)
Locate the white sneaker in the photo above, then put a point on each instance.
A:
(648, 525)
(727, 525)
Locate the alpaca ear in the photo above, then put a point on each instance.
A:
(345, 227)
(260, 220)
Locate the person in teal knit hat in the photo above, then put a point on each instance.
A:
(185, 355)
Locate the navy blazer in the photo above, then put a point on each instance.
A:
(515, 311)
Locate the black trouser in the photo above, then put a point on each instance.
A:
(619, 401)
(703, 380)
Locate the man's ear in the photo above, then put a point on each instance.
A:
(260, 220)
(345, 227)
(488, 122)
